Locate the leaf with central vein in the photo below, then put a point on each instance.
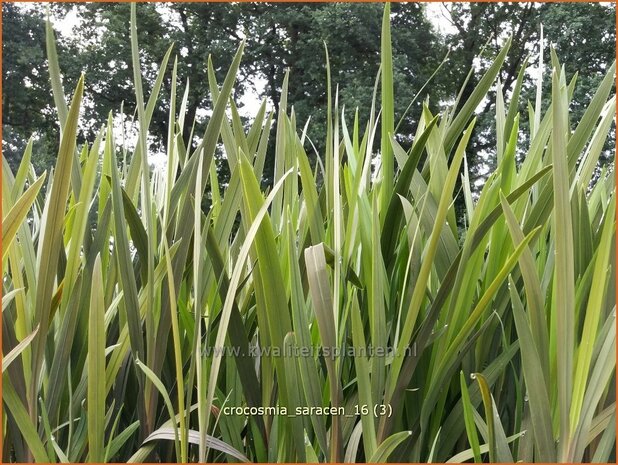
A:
(534, 293)
(564, 273)
(17, 214)
(468, 409)
(593, 311)
(445, 365)
(363, 381)
(18, 349)
(393, 217)
(463, 116)
(267, 273)
(388, 111)
(19, 413)
(421, 282)
(123, 254)
(233, 288)
(321, 296)
(237, 333)
(51, 243)
(96, 364)
(540, 407)
(307, 364)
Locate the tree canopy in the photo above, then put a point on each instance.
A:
(290, 36)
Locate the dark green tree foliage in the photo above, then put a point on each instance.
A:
(583, 34)
(196, 30)
(281, 37)
(290, 36)
(293, 37)
(26, 97)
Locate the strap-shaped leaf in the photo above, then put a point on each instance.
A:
(17, 214)
(50, 246)
(96, 364)
(540, 407)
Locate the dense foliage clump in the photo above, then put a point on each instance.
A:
(344, 313)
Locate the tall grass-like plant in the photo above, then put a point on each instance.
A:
(491, 341)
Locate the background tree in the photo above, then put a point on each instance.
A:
(582, 33)
(291, 36)
(585, 35)
(294, 35)
(26, 98)
(280, 37)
